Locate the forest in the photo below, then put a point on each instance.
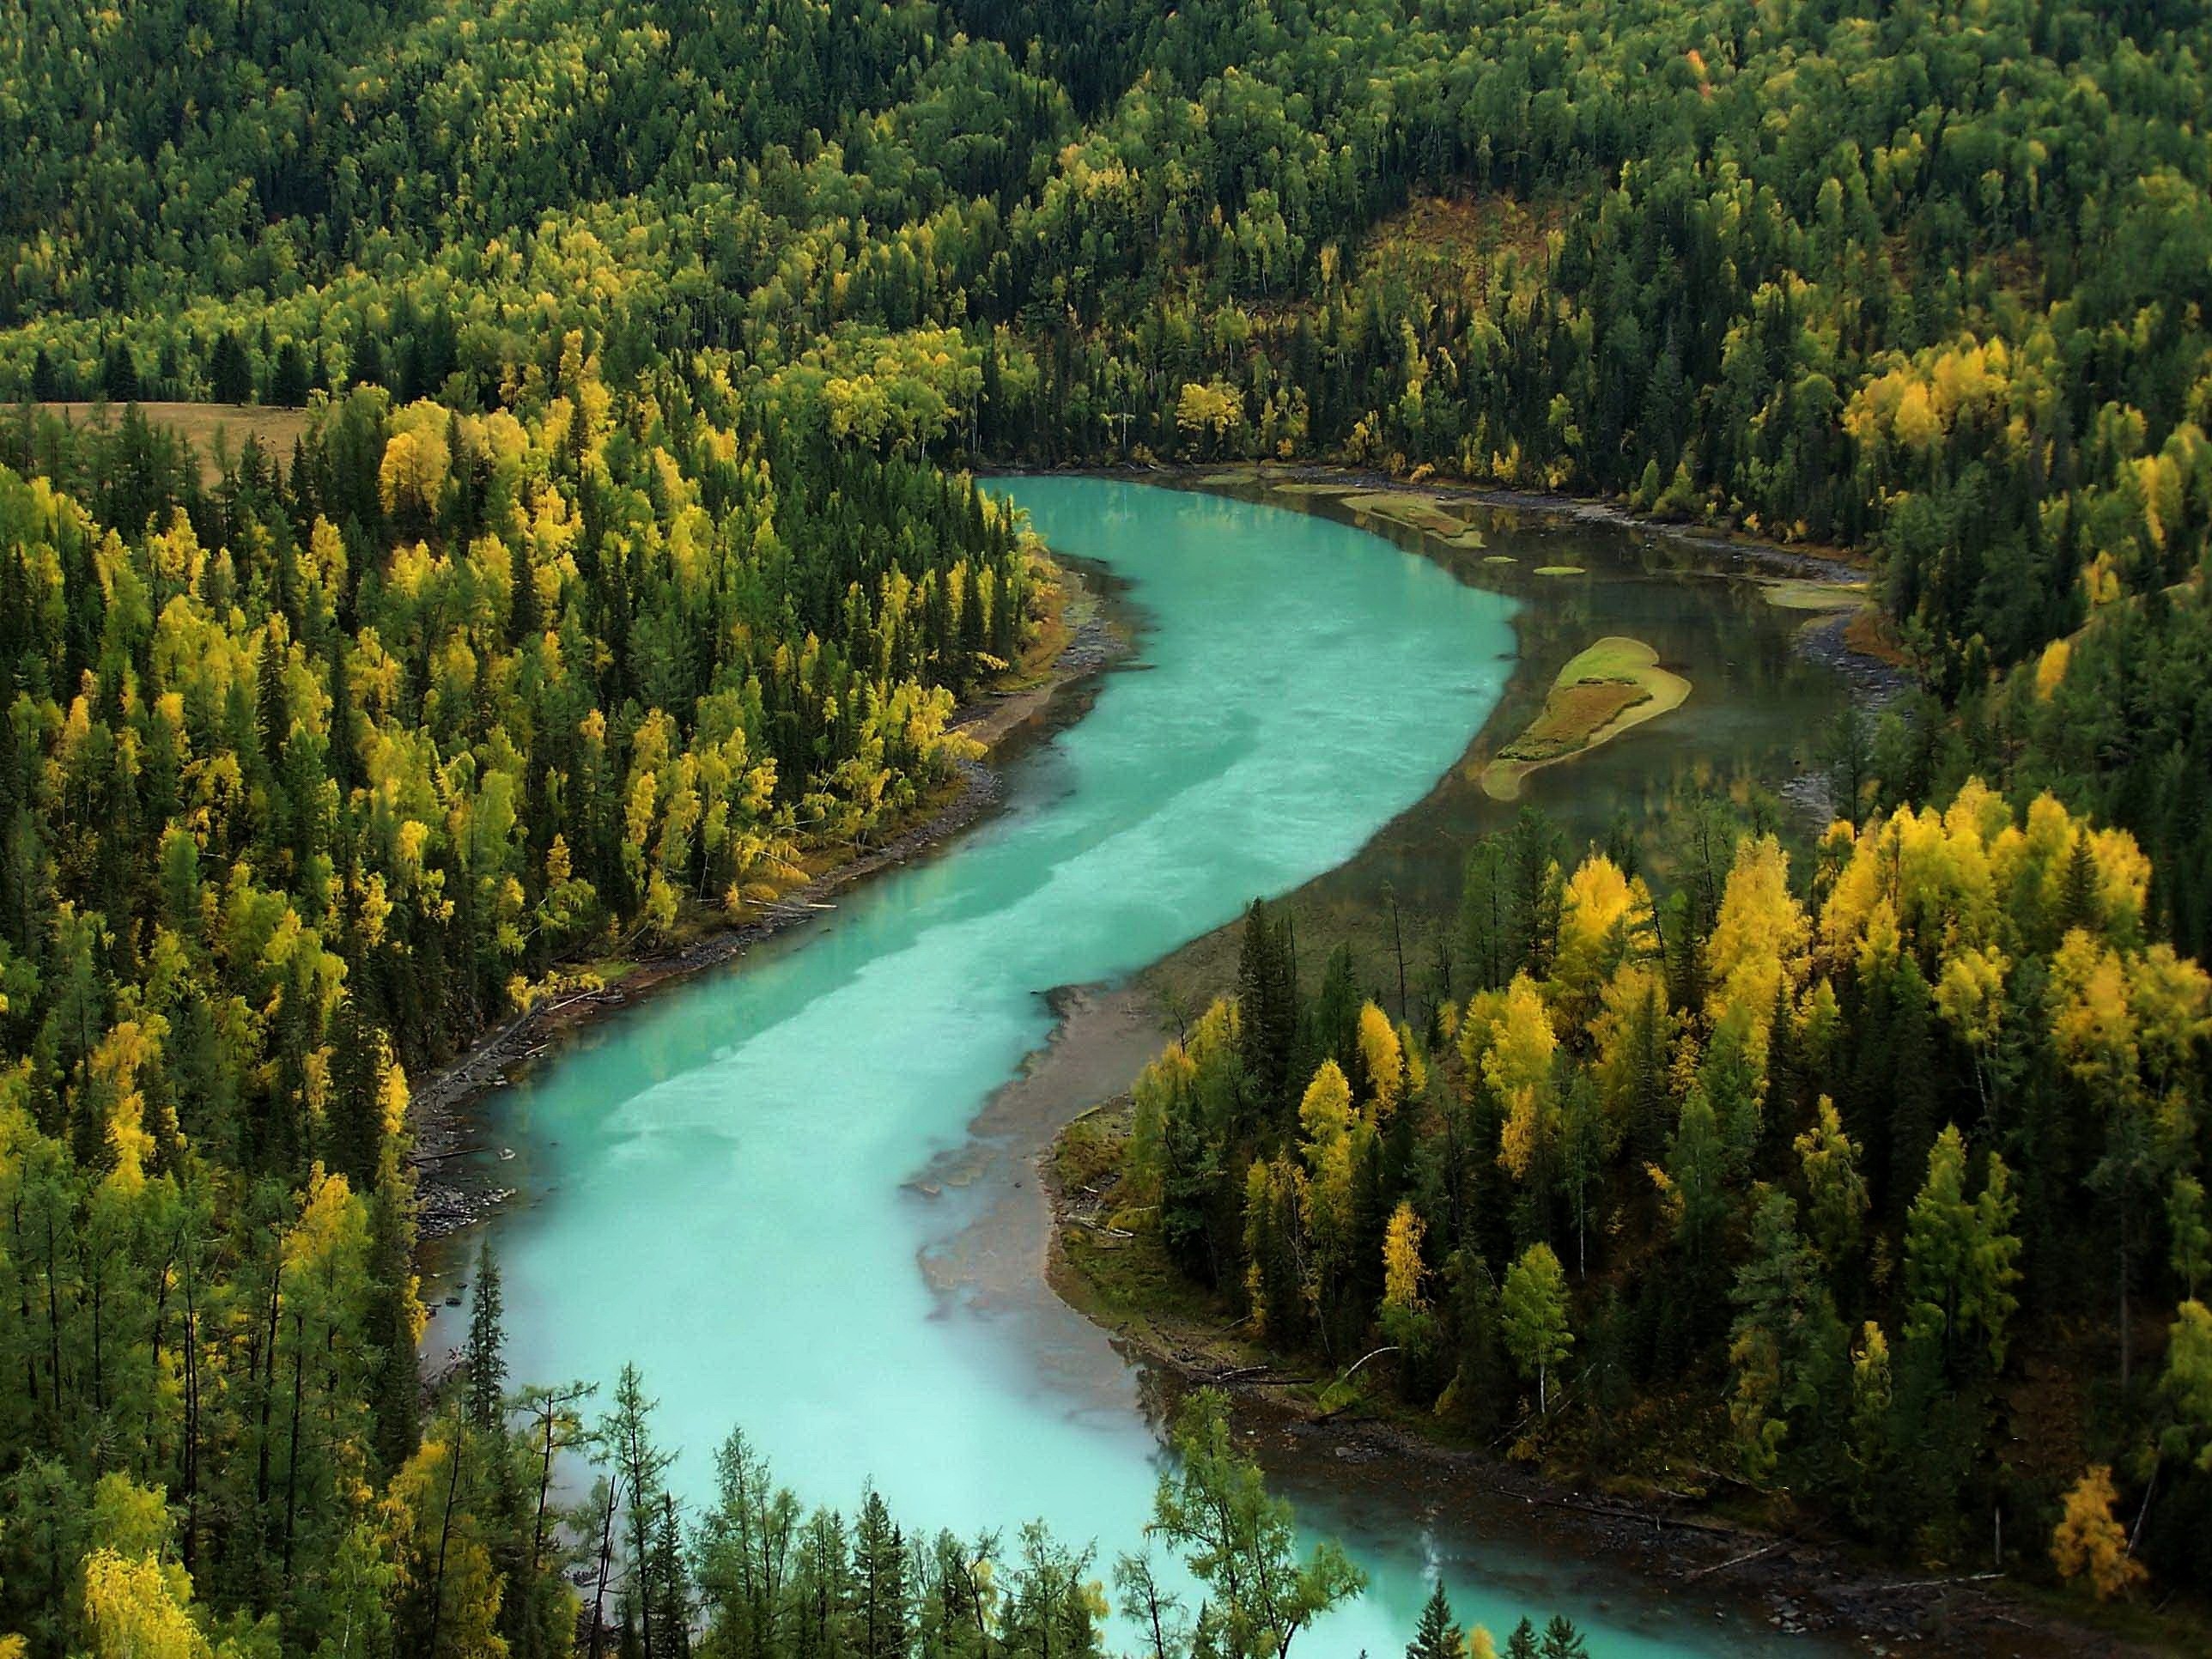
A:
(1783, 1174)
(632, 566)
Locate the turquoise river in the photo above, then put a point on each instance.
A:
(720, 1184)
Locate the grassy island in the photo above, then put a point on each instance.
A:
(1617, 683)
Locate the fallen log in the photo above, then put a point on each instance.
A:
(1767, 1549)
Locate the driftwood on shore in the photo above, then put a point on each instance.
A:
(1762, 1551)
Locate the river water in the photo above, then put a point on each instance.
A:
(722, 1184)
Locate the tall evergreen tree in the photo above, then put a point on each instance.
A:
(484, 1358)
(1436, 1636)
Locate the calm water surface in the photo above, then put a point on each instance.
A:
(722, 1182)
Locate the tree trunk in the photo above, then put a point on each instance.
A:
(53, 1322)
(292, 1456)
(606, 1551)
(445, 1535)
(2127, 1333)
(1398, 943)
(99, 1321)
(192, 1420)
(23, 1300)
(264, 1368)
(544, 1483)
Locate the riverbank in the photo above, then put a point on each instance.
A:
(1799, 1581)
(1842, 630)
(1691, 1533)
(1810, 562)
(455, 1188)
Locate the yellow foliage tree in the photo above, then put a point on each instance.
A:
(2050, 668)
(1605, 918)
(1326, 1115)
(1758, 939)
(2089, 1543)
(1385, 1059)
(417, 462)
(1401, 1262)
(1518, 1065)
(137, 1608)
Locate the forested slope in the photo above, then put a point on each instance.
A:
(1926, 279)
(1873, 1199)
(617, 571)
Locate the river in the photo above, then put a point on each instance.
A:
(723, 1184)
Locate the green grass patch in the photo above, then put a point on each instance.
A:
(1416, 511)
(1799, 593)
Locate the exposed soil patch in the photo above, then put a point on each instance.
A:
(205, 426)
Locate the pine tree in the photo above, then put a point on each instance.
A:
(397, 1395)
(667, 1590)
(1786, 1347)
(230, 375)
(118, 375)
(1437, 1637)
(642, 1468)
(884, 1614)
(484, 1358)
(367, 361)
(1266, 1000)
(287, 379)
(1481, 1385)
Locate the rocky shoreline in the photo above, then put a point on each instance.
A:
(454, 1191)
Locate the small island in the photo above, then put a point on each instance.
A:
(1604, 691)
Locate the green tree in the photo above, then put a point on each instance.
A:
(230, 375)
(1213, 1505)
(1437, 1637)
(1533, 1312)
(1786, 1347)
(1959, 1254)
(483, 1358)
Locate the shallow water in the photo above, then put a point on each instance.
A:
(721, 1183)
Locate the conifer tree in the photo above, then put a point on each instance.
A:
(230, 376)
(484, 1357)
(1437, 1637)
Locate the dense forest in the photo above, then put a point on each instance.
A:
(1883, 1188)
(630, 564)
(1927, 280)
